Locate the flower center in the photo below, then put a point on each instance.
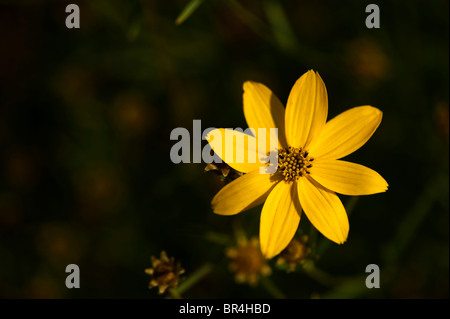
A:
(294, 163)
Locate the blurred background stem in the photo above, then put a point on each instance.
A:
(191, 281)
(320, 276)
(271, 288)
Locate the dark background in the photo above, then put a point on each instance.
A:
(86, 114)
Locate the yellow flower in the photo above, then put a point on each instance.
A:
(309, 171)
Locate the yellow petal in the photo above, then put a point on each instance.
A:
(324, 209)
(237, 149)
(348, 178)
(347, 132)
(245, 192)
(262, 109)
(306, 110)
(280, 217)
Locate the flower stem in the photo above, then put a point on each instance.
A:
(175, 294)
(255, 23)
(350, 205)
(271, 288)
(193, 279)
(319, 275)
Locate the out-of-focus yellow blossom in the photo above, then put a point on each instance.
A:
(247, 262)
(295, 253)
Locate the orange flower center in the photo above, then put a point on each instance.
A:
(294, 163)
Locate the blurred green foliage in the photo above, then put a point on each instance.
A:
(85, 118)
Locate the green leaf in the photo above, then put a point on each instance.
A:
(187, 11)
